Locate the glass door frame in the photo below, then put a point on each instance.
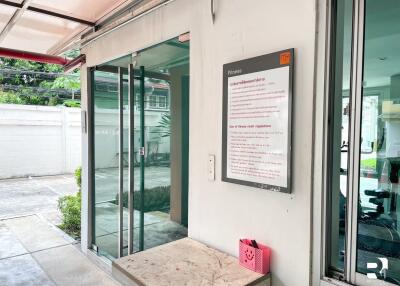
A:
(356, 95)
(134, 74)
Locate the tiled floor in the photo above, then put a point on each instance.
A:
(33, 251)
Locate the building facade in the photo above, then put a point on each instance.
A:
(151, 178)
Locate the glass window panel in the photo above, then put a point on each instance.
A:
(106, 171)
(152, 101)
(378, 239)
(162, 101)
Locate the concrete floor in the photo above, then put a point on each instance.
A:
(33, 251)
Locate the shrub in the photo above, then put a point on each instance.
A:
(78, 177)
(72, 103)
(53, 101)
(155, 199)
(10, 98)
(26, 97)
(34, 100)
(70, 207)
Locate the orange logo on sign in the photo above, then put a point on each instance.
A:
(285, 58)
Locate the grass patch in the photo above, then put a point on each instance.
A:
(369, 164)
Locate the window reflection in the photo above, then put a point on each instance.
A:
(379, 200)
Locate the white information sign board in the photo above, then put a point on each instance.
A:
(257, 109)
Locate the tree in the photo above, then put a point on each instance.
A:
(36, 83)
(26, 69)
(165, 125)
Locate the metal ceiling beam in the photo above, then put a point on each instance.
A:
(47, 12)
(14, 19)
(29, 56)
(68, 64)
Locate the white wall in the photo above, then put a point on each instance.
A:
(39, 140)
(221, 213)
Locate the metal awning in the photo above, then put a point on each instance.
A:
(53, 26)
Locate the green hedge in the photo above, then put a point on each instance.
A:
(11, 98)
(155, 199)
(17, 98)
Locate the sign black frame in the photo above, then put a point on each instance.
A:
(252, 65)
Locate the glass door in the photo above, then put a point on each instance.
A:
(139, 150)
(111, 160)
(164, 110)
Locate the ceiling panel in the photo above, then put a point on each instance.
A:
(37, 33)
(90, 10)
(5, 14)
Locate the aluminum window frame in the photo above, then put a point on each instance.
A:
(324, 83)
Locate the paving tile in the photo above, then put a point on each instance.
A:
(9, 244)
(25, 200)
(67, 266)
(61, 185)
(33, 195)
(35, 234)
(53, 217)
(32, 251)
(22, 271)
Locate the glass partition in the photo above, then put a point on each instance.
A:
(162, 204)
(106, 162)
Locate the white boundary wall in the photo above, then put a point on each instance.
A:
(39, 140)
